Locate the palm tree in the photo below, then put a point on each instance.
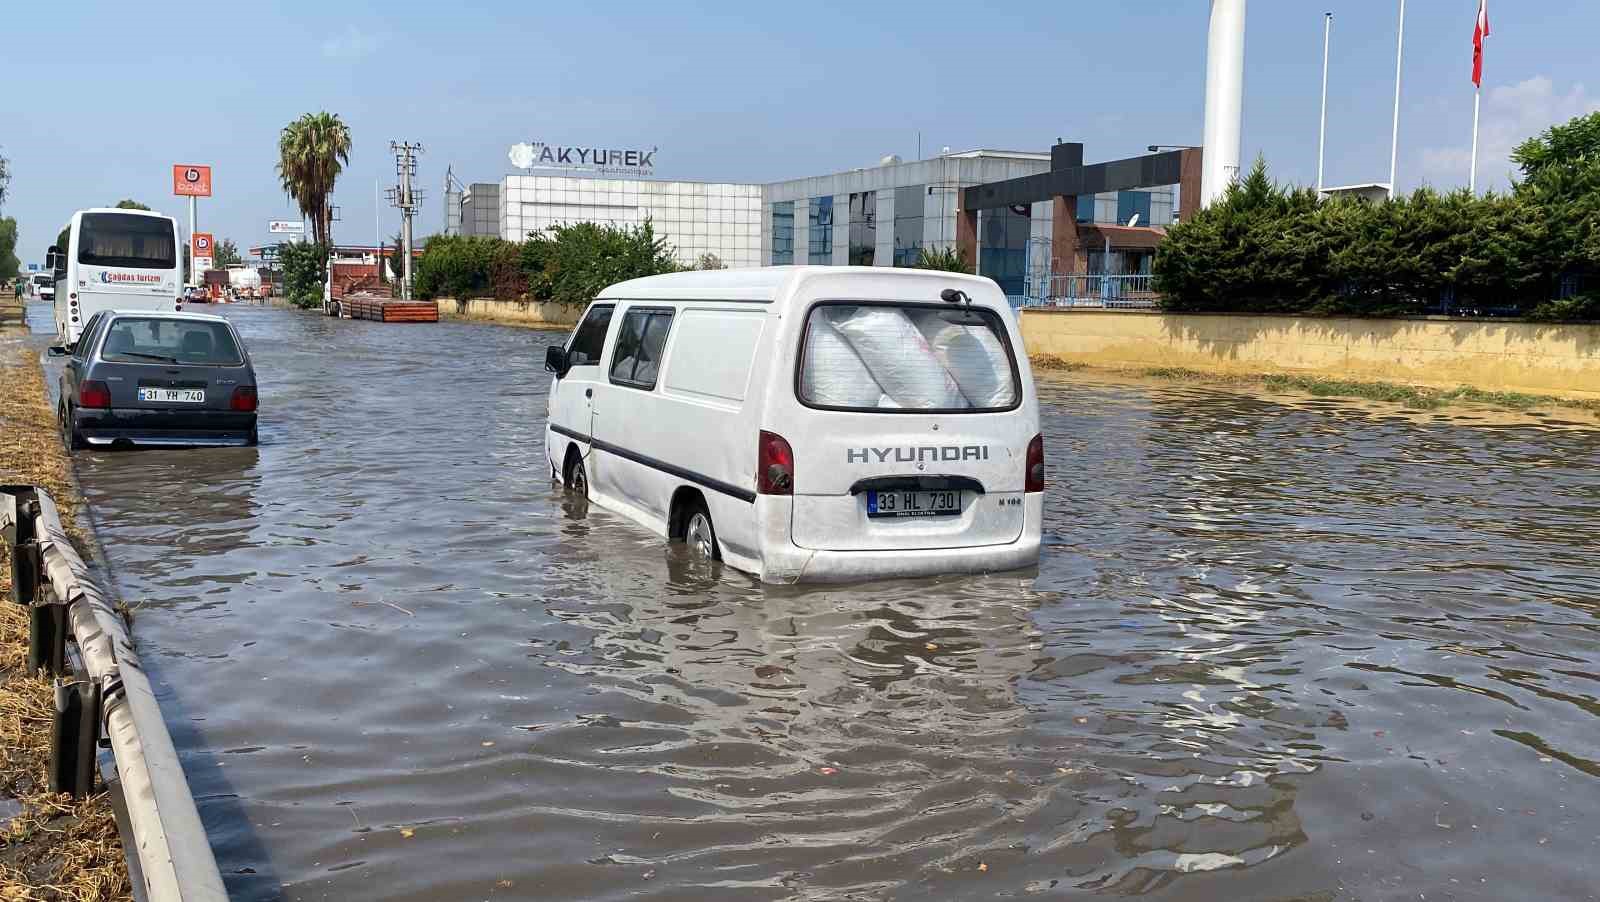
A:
(312, 151)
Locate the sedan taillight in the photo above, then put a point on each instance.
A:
(1035, 474)
(244, 399)
(774, 465)
(94, 394)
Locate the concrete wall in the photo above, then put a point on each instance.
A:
(1496, 355)
(525, 313)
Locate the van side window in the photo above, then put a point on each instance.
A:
(590, 337)
(637, 358)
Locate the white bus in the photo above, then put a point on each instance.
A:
(811, 423)
(109, 259)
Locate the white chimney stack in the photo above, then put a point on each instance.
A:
(1224, 98)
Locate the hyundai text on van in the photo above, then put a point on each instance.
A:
(807, 423)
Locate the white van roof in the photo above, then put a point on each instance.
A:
(764, 284)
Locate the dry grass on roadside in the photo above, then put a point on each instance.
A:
(1414, 396)
(56, 850)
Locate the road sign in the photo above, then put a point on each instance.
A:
(33, 267)
(189, 180)
(285, 227)
(202, 245)
(201, 264)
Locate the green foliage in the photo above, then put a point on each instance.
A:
(708, 261)
(305, 269)
(569, 264)
(5, 180)
(1574, 144)
(312, 151)
(1267, 248)
(226, 254)
(128, 204)
(947, 259)
(582, 258)
(9, 264)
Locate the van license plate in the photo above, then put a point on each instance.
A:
(174, 395)
(913, 504)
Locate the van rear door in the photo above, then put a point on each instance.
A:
(917, 432)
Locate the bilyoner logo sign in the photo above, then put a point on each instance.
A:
(608, 160)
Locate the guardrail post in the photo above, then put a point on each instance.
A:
(74, 734)
(47, 636)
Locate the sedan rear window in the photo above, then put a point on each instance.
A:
(161, 340)
(888, 357)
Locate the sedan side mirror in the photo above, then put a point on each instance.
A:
(555, 361)
(57, 351)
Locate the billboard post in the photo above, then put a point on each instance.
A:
(191, 181)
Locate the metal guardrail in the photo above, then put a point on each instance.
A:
(104, 698)
(1094, 290)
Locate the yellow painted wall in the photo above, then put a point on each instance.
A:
(527, 313)
(1516, 356)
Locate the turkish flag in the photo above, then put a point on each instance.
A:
(1480, 30)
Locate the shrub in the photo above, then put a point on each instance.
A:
(465, 266)
(578, 260)
(947, 259)
(305, 268)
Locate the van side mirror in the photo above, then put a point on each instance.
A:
(555, 361)
(57, 351)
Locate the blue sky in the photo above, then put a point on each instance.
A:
(102, 97)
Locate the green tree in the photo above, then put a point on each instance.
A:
(226, 254)
(5, 181)
(1571, 145)
(127, 204)
(9, 264)
(948, 259)
(312, 151)
(305, 268)
(582, 258)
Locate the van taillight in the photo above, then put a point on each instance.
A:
(94, 393)
(1035, 479)
(244, 399)
(774, 465)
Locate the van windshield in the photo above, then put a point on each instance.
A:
(896, 357)
(127, 240)
(44, 280)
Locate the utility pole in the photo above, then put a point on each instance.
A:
(1399, 57)
(403, 197)
(1322, 134)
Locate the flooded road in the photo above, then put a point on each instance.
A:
(1277, 649)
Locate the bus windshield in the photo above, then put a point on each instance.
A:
(127, 240)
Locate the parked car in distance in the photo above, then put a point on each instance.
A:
(821, 423)
(195, 294)
(142, 377)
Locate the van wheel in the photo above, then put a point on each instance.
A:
(698, 533)
(578, 479)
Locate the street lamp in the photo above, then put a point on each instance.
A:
(1157, 148)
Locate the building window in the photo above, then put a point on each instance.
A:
(863, 228)
(783, 233)
(820, 232)
(1133, 203)
(1003, 253)
(1086, 208)
(908, 210)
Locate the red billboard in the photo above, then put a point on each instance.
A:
(191, 181)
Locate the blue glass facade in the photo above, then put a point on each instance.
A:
(1003, 249)
(819, 232)
(863, 228)
(909, 206)
(1131, 203)
(783, 233)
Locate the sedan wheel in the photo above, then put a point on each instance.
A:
(69, 434)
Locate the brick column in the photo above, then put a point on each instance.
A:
(1189, 172)
(967, 236)
(1064, 234)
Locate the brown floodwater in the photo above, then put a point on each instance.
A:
(1277, 648)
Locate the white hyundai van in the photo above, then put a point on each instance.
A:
(807, 423)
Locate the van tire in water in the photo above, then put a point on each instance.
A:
(698, 533)
(577, 477)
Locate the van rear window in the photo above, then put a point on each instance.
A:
(896, 357)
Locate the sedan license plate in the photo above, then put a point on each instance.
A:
(173, 395)
(913, 504)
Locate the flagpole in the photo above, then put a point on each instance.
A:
(1472, 179)
(1399, 55)
(1322, 135)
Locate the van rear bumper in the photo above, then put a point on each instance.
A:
(786, 563)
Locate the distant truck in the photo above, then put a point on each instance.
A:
(246, 281)
(216, 282)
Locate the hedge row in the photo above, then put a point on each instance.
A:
(566, 264)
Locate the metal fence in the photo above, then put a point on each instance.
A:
(1096, 290)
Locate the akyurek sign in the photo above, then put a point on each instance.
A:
(605, 160)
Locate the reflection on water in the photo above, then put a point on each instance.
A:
(1277, 648)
